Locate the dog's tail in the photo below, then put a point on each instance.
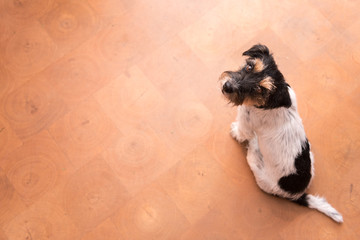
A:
(319, 204)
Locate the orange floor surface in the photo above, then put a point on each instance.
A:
(112, 124)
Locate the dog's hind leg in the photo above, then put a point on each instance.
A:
(257, 166)
(254, 156)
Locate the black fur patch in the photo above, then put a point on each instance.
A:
(297, 182)
(302, 200)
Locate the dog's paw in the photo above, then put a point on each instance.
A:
(238, 134)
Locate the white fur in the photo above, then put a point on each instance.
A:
(323, 206)
(275, 139)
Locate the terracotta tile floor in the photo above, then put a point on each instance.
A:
(112, 125)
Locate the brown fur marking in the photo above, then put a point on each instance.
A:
(268, 83)
(223, 76)
(257, 101)
(259, 66)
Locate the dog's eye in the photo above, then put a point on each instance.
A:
(249, 68)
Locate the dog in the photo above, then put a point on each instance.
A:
(278, 152)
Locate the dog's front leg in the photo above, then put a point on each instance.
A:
(241, 129)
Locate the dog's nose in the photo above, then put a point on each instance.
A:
(228, 87)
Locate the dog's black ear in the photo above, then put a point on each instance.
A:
(257, 51)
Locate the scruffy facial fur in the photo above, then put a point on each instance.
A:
(257, 82)
(279, 154)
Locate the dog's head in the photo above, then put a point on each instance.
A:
(256, 80)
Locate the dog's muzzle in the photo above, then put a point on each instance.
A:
(227, 87)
